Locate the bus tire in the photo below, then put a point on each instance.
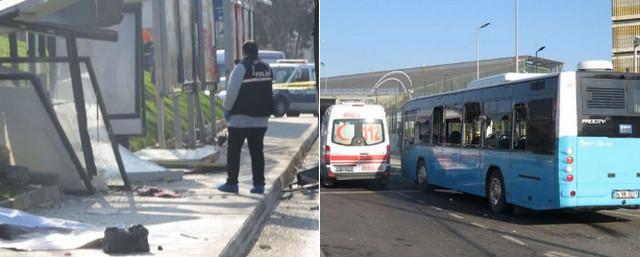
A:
(280, 107)
(422, 178)
(496, 194)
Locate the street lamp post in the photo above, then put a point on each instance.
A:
(478, 48)
(539, 49)
(325, 79)
(517, 36)
(636, 43)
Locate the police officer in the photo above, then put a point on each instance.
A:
(248, 105)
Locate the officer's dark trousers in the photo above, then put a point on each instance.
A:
(255, 138)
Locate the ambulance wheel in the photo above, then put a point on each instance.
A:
(280, 107)
(382, 183)
(326, 182)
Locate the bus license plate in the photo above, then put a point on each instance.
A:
(344, 168)
(625, 194)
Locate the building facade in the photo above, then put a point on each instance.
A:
(625, 16)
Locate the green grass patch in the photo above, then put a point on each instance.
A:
(151, 115)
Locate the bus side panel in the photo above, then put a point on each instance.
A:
(437, 168)
(409, 161)
(533, 180)
(470, 177)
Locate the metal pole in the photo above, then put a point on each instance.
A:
(478, 54)
(158, 15)
(229, 42)
(478, 49)
(536, 62)
(191, 140)
(177, 120)
(517, 35)
(635, 58)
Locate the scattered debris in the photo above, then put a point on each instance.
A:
(308, 176)
(24, 231)
(265, 247)
(131, 240)
(5, 157)
(98, 209)
(286, 195)
(157, 192)
(188, 236)
(16, 174)
(306, 180)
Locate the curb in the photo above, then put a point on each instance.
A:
(243, 240)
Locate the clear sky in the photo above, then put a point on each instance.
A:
(370, 35)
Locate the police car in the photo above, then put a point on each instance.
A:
(294, 88)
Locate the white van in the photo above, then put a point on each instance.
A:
(354, 144)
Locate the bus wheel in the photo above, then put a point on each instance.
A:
(422, 178)
(496, 193)
(280, 107)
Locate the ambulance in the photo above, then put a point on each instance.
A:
(355, 144)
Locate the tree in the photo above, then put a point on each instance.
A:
(285, 25)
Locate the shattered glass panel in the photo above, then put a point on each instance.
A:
(29, 134)
(56, 79)
(103, 153)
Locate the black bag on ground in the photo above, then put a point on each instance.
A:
(131, 240)
(308, 177)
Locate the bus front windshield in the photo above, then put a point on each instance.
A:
(357, 132)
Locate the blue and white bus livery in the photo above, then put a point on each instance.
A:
(540, 141)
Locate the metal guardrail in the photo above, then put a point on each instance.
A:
(360, 91)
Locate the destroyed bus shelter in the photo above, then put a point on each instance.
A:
(68, 85)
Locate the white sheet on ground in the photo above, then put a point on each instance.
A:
(133, 163)
(50, 233)
(199, 153)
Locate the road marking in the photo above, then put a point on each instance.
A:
(557, 254)
(448, 191)
(513, 239)
(404, 195)
(420, 201)
(622, 213)
(479, 225)
(456, 216)
(366, 192)
(436, 208)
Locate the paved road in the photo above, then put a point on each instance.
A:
(292, 228)
(401, 221)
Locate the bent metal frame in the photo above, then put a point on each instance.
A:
(70, 34)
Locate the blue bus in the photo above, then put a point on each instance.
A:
(558, 141)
